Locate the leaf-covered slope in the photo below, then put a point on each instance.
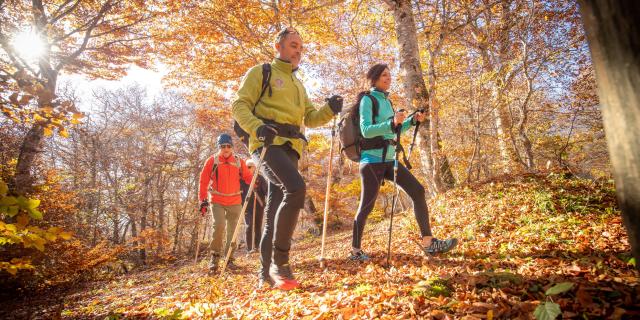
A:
(519, 238)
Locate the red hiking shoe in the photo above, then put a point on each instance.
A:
(283, 277)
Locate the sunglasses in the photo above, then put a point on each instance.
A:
(224, 146)
(282, 34)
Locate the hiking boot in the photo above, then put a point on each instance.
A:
(232, 266)
(440, 246)
(213, 264)
(359, 256)
(283, 277)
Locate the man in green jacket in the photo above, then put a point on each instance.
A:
(273, 120)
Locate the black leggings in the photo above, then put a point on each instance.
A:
(371, 175)
(285, 198)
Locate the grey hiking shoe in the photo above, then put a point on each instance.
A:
(264, 280)
(440, 246)
(359, 256)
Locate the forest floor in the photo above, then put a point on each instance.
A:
(542, 243)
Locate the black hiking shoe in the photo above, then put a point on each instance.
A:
(440, 246)
(213, 264)
(359, 256)
(283, 277)
(232, 266)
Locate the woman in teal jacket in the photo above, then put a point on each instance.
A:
(377, 164)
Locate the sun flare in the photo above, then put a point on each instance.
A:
(29, 45)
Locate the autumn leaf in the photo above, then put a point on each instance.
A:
(32, 203)
(22, 221)
(65, 235)
(8, 201)
(547, 311)
(35, 213)
(559, 288)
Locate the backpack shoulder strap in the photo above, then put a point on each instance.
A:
(266, 79)
(215, 167)
(374, 107)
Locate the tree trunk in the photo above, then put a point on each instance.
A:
(31, 146)
(161, 190)
(613, 32)
(32, 143)
(143, 221)
(116, 226)
(440, 167)
(414, 86)
(498, 63)
(339, 174)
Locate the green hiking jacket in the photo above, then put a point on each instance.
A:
(288, 104)
(382, 127)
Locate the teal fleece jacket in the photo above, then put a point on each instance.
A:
(382, 127)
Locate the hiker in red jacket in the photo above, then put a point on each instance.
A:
(221, 176)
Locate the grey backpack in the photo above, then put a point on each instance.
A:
(351, 140)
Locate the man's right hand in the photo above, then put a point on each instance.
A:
(204, 206)
(266, 133)
(335, 103)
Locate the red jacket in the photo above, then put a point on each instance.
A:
(225, 192)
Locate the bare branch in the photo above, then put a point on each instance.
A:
(391, 3)
(320, 6)
(103, 10)
(57, 15)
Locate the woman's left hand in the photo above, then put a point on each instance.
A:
(420, 116)
(399, 117)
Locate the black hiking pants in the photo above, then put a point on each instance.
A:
(285, 198)
(371, 177)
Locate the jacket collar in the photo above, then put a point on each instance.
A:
(226, 160)
(283, 66)
(379, 93)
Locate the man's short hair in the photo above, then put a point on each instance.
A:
(283, 34)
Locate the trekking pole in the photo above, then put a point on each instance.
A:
(415, 133)
(326, 196)
(253, 222)
(195, 262)
(413, 140)
(395, 194)
(201, 227)
(244, 209)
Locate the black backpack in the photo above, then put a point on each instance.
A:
(266, 78)
(351, 140)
